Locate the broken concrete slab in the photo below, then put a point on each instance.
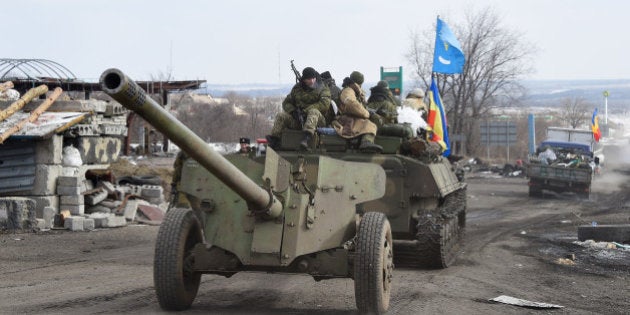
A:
(48, 215)
(49, 151)
(74, 223)
(111, 204)
(98, 209)
(41, 224)
(95, 197)
(107, 220)
(68, 190)
(88, 224)
(607, 233)
(73, 200)
(131, 207)
(42, 202)
(74, 209)
(17, 213)
(74, 181)
(152, 191)
(151, 212)
(109, 187)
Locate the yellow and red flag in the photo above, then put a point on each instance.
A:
(437, 119)
(597, 134)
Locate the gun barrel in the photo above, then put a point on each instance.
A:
(117, 85)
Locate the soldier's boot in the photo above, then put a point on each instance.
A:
(273, 142)
(367, 145)
(305, 140)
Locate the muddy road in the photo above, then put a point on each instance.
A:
(512, 247)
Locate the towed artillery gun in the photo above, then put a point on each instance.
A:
(266, 214)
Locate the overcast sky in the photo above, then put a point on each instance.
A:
(239, 41)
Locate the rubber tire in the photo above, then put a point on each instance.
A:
(535, 193)
(373, 264)
(175, 288)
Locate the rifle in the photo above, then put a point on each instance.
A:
(298, 114)
(298, 76)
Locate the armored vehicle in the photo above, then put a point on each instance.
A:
(271, 213)
(424, 200)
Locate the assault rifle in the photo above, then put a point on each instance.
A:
(298, 114)
(298, 76)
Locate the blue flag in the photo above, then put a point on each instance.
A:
(448, 57)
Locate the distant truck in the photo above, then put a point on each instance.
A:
(565, 162)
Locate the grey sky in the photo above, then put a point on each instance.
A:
(239, 41)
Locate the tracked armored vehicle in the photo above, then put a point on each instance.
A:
(271, 213)
(424, 200)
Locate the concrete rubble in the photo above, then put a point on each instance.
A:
(60, 178)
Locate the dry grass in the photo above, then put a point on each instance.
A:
(147, 167)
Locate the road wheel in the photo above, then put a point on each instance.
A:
(373, 264)
(175, 282)
(535, 192)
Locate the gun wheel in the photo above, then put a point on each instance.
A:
(175, 282)
(373, 264)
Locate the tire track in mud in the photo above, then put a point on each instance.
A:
(123, 301)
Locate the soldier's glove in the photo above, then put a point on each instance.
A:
(173, 189)
(371, 111)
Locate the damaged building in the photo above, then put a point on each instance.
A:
(58, 137)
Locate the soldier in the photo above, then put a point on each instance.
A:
(415, 100)
(244, 145)
(354, 120)
(304, 108)
(382, 105)
(335, 91)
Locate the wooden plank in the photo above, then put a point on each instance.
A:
(27, 97)
(34, 115)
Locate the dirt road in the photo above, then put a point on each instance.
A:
(512, 247)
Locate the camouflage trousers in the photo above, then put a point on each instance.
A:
(285, 121)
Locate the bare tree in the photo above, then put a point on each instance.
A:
(240, 117)
(495, 58)
(574, 111)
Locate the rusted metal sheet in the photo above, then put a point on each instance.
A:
(45, 126)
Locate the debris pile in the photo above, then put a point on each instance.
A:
(55, 158)
(98, 203)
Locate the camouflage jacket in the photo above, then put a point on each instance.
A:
(307, 98)
(381, 102)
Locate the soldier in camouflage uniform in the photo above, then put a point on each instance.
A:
(382, 105)
(304, 108)
(335, 92)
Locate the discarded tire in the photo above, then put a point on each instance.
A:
(619, 233)
(140, 180)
